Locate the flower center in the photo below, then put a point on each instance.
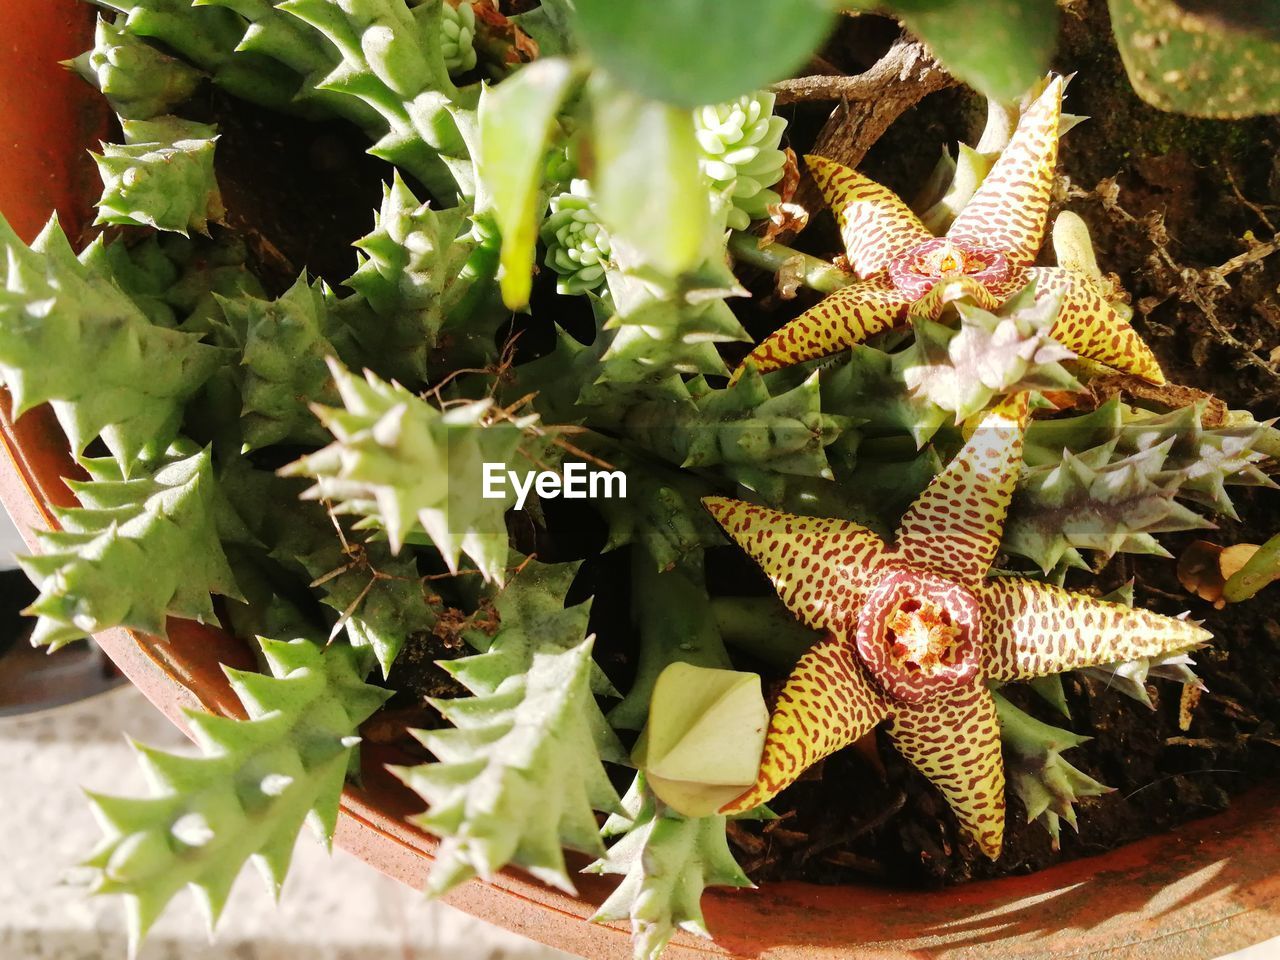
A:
(918, 270)
(919, 634)
(922, 634)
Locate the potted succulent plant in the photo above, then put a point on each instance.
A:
(448, 550)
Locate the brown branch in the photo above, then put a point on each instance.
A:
(869, 103)
(899, 80)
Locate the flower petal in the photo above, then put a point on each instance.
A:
(951, 289)
(1091, 327)
(875, 223)
(1033, 629)
(955, 742)
(820, 568)
(826, 705)
(955, 526)
(1008, 211)
(848, 316)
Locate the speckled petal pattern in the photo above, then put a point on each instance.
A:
(1009, 210)
(955, 742)
(955, 526)
(875, 224)
(836, 323)
(1091, 327)
(826, 705)
(1034, 629)
(821, 569)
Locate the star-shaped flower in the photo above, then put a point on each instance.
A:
(987, 255)
(915, 631)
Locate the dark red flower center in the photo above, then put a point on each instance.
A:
(919, 634)
(917, 271)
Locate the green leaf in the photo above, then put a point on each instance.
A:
(998, 47)
(648, 183)
(1190, 61)
(693, 52)
(667, 861)
(1261, 569)
(516, 121)
(520, 774)
(59, 320)
(550, 24)
(135, 552)
(248, 795)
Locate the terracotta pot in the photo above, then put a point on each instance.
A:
(1209, 888)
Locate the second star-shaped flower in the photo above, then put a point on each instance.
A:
(987, 255)
(915, 630)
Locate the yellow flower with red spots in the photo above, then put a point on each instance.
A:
(988, 255)
(915, 629)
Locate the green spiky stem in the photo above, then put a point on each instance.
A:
(519, 774)
(667, 861)
(249, 794)
(60, 317)
(763, 629)
(137, 551)
(1048, 785)
(815, 273)
(673, 614)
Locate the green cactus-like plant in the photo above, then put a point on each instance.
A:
(666, 861)
(739, 141)
(519, 775)
(134, 553)
(162, 176)
(392, 58)
(59, 318)
(256, 783)
(284, 346)
(406, 466)
(139, 81)
(210, 39)
(377, 599)
(672, 614)
(1048, 785)
(662, 513)
(391, 395)
(416, 274)
(1111, 479)
(175, 280)
(990, 355)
